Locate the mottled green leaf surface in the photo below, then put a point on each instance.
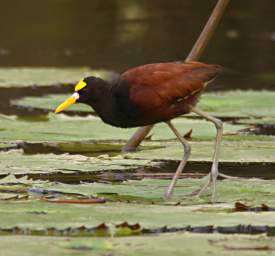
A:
(152, 191)
(50, 102)
(223, 104)
(48, 163)
(202, 151)
(264, 120)
(95, 146)
(141, 202)
(6, 145)
(23, 77)
(242, 151)
(239, 103)
(162, 245)
(64, 128)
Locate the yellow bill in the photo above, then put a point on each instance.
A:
(68, 102)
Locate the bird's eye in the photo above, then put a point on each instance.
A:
(82, 91)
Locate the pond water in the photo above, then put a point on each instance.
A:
(118, 34)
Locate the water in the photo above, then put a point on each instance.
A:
(118, 34)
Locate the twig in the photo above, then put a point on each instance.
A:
(195, 54)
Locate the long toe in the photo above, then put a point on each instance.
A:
(200, 191)
(225, 176)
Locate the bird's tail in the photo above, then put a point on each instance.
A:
(206, 72)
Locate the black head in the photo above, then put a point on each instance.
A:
(92, 89)
(89, 90)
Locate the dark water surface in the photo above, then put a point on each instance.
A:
(118, 34)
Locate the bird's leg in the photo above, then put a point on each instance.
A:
(187, 150)
(214, 169)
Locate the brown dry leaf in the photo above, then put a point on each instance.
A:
(188, 135)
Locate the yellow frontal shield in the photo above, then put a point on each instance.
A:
(80, 85)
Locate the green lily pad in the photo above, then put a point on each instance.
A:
(161, 245)
(24, 181)
(49, 163)
(50, 102)
(57, 128)
(152, 191)
(6, 145)
(89, 148)
(240, 151)
(24, 77)
(64, 163)
(222, 104)
(239, 103)
(255, 121)
(145, 205)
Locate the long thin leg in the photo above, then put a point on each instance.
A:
(214, 169)
(187, 151)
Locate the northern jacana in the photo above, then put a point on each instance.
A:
(151, 94)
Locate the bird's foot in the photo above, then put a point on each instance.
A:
(211, 182)
(225, 176)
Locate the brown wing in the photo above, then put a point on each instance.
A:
(171, 80)
(155, 87)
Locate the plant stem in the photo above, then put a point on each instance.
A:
(194, 54)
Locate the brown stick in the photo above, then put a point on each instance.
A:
(195, 54)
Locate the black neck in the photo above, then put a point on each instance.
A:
(110, 100)
(98, 95)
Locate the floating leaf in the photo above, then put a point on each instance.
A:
(62, 128)
(75, 201)
(240, 207)
(23, 77)
(239, 103)
(63, 163)
(234, 104)
(125, 229)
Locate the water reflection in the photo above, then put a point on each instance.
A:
(117, 34)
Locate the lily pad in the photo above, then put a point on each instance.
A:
(25, 77)
(7, 145)
(240, 151)
(64, 128)
(88, 148)
(222, 104)
(142, 202)
(239, 103)
(152, 191)
(50, 102)
(255, 121)
(64, 163)
(161, 245)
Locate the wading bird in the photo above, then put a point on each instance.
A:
(151, 94)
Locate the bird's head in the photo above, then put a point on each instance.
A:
(83, 91)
